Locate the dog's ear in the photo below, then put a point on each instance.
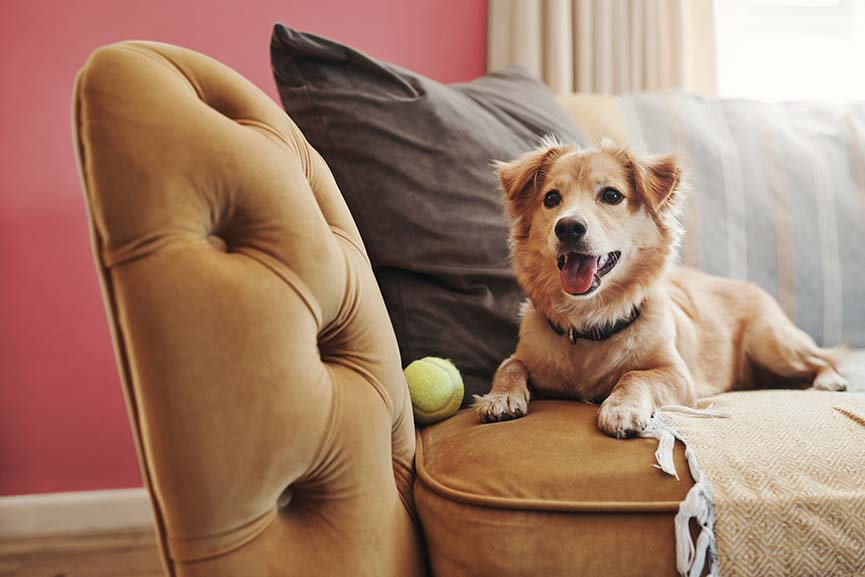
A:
(521, 178)
(657, 180)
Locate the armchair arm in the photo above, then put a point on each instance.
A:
(261, 373)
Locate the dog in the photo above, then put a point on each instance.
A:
(610, 318)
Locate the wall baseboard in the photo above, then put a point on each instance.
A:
(78, 512)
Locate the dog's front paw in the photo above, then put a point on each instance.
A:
(829, 380)
(494, 407)
(623, 419)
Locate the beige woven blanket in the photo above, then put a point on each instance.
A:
(785, 475)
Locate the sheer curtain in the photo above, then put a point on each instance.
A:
(607, 46)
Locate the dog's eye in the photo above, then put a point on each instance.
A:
(611, 196)
(552, 198)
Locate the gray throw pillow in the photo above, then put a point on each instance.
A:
(412, 158)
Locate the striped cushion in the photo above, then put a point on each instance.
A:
(778, 194)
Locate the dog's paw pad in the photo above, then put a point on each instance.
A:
(494, 407)
(623, 420)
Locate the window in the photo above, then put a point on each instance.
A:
(791, 49)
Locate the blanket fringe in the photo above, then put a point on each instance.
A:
(691, 557)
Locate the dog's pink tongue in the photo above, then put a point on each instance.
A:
(578, 273)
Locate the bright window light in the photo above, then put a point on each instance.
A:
(791, 49)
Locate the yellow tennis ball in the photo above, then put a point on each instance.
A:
(436, 389)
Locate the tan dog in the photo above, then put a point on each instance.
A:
(610, 319)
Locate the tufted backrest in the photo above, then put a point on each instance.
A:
(261, 372)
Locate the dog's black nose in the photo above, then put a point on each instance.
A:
(570, 229)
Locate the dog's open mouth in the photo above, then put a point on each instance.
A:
(581, 273)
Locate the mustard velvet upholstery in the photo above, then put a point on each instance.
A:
(260, 369)
(546, 495)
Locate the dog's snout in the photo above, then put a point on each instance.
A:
(570, 229)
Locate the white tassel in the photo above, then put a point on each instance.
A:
(658, 429)
(691, 557)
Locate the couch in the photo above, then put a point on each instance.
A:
(263, 379)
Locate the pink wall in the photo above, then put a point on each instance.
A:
(63, 426)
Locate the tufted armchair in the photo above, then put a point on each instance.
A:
(262, 376)
(261, 372)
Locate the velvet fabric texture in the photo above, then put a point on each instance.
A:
(412, 158)
(547, 494)
(261, 373)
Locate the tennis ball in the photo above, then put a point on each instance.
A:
(436, 389)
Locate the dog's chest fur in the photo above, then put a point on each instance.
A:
(586, 370)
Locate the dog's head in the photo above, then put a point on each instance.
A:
(593, 224)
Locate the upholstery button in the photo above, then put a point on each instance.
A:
(284, 499)
(217, 242)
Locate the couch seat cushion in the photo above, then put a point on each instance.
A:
(547, 494)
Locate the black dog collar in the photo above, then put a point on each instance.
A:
(597, 333)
